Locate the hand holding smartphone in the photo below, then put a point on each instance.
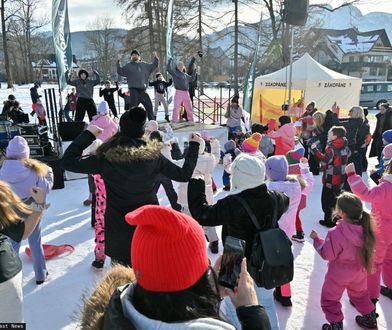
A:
(233, 253)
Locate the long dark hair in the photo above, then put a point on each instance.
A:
(198, 301)
(351, 205)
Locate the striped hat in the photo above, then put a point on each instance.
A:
(251, 145)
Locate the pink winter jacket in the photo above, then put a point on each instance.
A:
(109, 126)
(380, 196)
(284, 139)
(342, 248)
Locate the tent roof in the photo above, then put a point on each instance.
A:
(305, 68)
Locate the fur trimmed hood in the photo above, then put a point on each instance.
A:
(95, 306)
(141, 151)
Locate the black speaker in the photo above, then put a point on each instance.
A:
(70, 130)
(58, 172)
(295, 12)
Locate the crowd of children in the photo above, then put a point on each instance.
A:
(358, 246)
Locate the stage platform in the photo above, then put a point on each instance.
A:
(182, 130)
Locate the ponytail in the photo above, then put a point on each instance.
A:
(38, 167)
(369, 241)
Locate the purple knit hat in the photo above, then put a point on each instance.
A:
(277, 168)
(18, 148)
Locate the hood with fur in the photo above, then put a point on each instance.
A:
(141, 151)
(95, 306)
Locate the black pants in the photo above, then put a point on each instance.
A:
(328, 202)
(113, 108)
(170, 192)
(314, 164)
(139, 96)
(84, 105)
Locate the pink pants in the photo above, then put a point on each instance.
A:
(337, 279)
(382, 262)
(100, 196)
(182, 97)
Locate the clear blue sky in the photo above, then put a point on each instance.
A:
(82, 12)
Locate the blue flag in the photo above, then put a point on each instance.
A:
(61, 40)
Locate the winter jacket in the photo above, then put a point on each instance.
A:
(352, 126)
(181, 79)
(108, 93)
(84, 88)
(22, 178)
(293, 190)
(11, 109)
(129, 173)
(379, 196)
(334, 162)
(206, 163)
(341, 248)
(384, 123)
(137, 73)
(266, 146)
(284, 139)
(109, 126)
(160, 86)
(318, 134)
(34, 94)
(363, 132)
(233, 115)
(231, 214)
(110, 307)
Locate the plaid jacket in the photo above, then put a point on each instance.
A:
(334, 162)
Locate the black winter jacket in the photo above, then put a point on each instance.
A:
(129, 174)
(108, 94)
(377, 135)
(229, 213)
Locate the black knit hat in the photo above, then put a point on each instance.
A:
(284, 120)
(83, 71)
(135, 51)
(132, 122)
(11, 97)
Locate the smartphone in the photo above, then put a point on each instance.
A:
(233, 253)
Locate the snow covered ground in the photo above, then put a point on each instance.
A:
(55, 304)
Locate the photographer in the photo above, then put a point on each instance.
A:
(12, 210)
(175, 287)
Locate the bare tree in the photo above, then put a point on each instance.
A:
(102, 39)
(4, 18)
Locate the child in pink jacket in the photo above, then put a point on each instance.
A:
(284, 137)
(381, 197)
(349, 249)
(103, 120)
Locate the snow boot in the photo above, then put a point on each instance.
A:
(299, 237)
(42, 281)
(87, 202)
(385, 291)
(368, 321)
(214, 247)
(98, 264)
(333, 326)
(167, 118)
(328, 224)
(374, 301)
(284, 301)
(226, 188)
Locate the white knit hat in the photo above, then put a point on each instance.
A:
(247, 172)
(152, 126)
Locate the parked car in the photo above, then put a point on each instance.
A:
(374, 93)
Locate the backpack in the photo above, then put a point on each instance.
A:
(272, 262)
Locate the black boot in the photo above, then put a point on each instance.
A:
(284, 301)
(214, 247)
(333, 326)
(299, 237)
(328, 224)
(385, 291)
(167, 118)
(368, 321)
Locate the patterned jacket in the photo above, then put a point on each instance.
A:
(333, 162)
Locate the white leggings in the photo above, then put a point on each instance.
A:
(11, 300)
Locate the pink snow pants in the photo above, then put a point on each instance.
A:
(338, 278)
(382, 261)
(100, 207)
(182, 97)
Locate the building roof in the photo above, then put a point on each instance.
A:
(353, 41)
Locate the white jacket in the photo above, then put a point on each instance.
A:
(205, 165)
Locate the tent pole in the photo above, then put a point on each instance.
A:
(291, 67)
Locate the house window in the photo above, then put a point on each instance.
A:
(351, 58)
(44, 71)
(373, 71)
(381, 71)
(378, 59)
(366, 58)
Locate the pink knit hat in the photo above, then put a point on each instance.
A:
(18, 148)
(388, 151)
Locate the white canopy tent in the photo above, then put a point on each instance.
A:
(320, 84)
